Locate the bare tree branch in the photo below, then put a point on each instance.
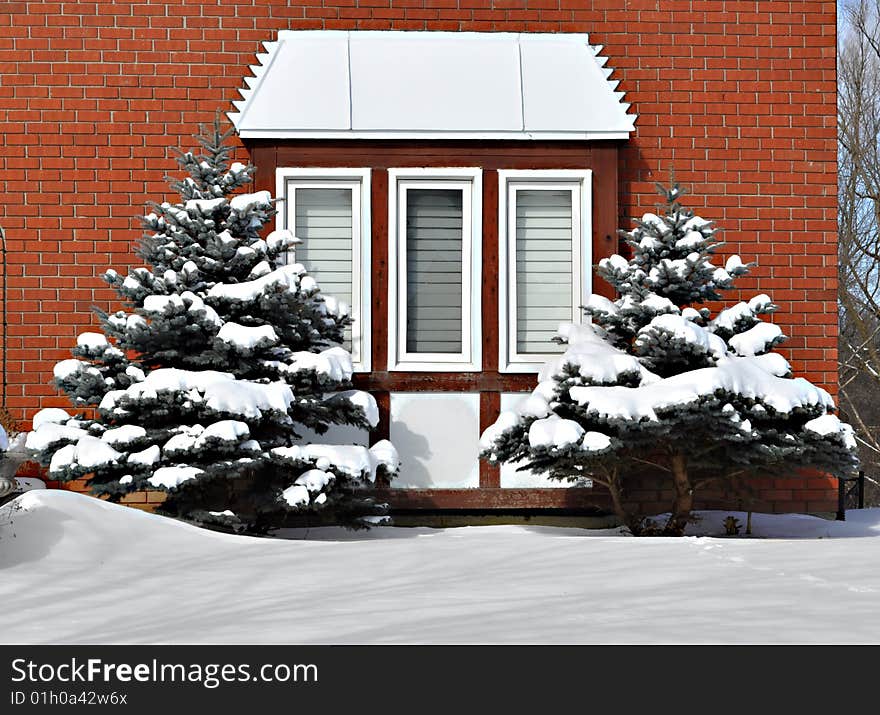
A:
(859, 223)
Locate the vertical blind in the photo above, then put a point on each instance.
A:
(434, 240)
(324, 223)
(543, 267)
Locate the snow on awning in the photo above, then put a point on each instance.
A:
(440, 85)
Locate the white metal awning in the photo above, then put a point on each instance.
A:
(327, 84)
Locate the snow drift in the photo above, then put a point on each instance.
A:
(79, 570)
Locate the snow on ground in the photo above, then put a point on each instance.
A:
(77, 570)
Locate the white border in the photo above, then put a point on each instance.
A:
(358, 180)
(470, 181)
(578, 181)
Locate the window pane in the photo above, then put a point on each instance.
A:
(434, 238)
(324, 223)
(543, 267)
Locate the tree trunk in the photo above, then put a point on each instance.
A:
(628, 519)
(684, 497)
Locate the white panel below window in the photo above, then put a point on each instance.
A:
(437, 437)
(513, 479)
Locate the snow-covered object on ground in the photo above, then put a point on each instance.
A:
(798, 579)
(27, 484)
(12, 454)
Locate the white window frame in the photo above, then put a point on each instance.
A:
(509, 182)
(287, 179)
(470, 181)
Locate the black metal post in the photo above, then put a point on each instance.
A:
(841, 500)
(861, 489)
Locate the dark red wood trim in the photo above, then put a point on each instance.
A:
(383, 429)
(379, 275)
(490, 155)
(263, 157)
(490, 406)
(491, 276)
(604, 212)
(495, 499)
(445, 382)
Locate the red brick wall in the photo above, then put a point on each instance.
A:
(738, 97)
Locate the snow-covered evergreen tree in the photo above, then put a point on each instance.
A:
(653, 383)
(204, 386)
